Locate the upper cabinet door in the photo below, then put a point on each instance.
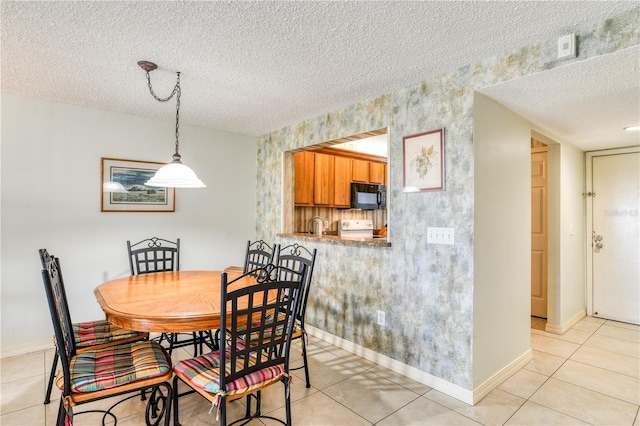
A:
(342, 187)
(360, 171)
(323, 182)
(377, 173)
(304, 171)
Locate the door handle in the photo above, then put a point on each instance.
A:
(597, 239)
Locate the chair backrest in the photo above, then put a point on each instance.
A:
(59, 309)
(154, 255)
(252, 312)
(297, 258)
(259, 254)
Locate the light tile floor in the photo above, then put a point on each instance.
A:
(589, 375)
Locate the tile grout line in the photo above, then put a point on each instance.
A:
(547, 380)
(580, 345)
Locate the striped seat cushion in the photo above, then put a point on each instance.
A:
(116, 365)
(297, 331)
(99, 332)
(203, 372)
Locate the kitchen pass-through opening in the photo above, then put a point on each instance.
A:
(318, 182)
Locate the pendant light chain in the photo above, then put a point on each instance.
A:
(176, 92)
(174, 174)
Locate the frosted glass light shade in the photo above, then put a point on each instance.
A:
(175, 175)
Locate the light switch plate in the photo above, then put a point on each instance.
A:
(440, 236)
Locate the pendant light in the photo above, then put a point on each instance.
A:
(174, 174)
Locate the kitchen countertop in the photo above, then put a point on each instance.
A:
(335, 239)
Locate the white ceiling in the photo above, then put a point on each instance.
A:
(256, 66)
(588, 102)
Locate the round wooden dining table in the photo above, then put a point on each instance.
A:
(178, 301)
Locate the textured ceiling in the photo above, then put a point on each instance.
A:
(253, 67)
(588, 102)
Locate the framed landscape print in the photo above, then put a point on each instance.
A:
(123, 189)
(424, 161)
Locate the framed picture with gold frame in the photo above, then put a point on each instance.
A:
(423, 165)
(123, 189)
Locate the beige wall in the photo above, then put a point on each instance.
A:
(502, 249)
(572, 232)
(50, 179)
(432, 294)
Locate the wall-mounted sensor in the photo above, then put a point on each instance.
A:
(567, 46)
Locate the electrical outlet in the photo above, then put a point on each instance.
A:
(440, 236)
(381, 318)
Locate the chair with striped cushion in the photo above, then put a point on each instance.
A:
(106, 371)
(159, 255)
(257, 255)
(247, 368)
(297, 258)
(92, 335)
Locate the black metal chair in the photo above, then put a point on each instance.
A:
(154, 255)
(297, 258)
(258, 255)
(92, 335)
(105, 372)
(294, 261)
(247, 368)
(159, 255)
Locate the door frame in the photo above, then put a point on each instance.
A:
(589, 216)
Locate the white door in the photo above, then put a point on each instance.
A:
(614, 204)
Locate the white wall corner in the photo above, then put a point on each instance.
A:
(563, 328)
(444, 386)
(496, 380)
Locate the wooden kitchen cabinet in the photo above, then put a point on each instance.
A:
(304, 176)
(323, 179)
(368, 172)
(342, 182)
(377, 173)
(360, 171)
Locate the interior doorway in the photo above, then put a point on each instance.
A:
(539, 229)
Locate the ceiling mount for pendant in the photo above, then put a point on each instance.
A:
(174, 174)
(147, 66)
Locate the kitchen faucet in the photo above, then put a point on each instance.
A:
(316, 225)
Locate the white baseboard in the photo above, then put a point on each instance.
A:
(563, 328)
(17, 350)
(494, 381)
(451, 389)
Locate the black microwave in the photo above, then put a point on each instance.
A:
(368, 197)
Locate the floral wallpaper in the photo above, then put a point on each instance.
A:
(425, 290)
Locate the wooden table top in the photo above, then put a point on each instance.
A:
(165, 301)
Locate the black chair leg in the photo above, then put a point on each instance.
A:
(52, 374)
(171, 338)
(175, 402)
(223, 411)
(287, 399)
(216, 340)
(62, 413)
(197, 343)
(306, 364)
